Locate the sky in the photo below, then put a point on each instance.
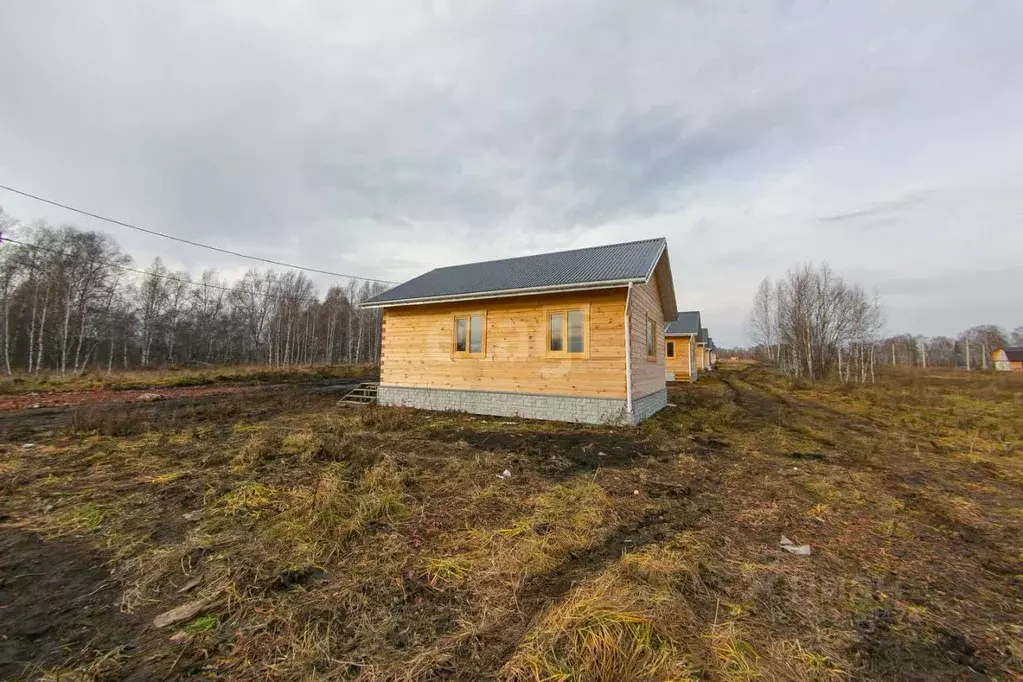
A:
(386, 138)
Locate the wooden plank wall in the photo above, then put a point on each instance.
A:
(647, 376)
(683, 355)
(416, 348)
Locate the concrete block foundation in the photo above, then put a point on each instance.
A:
(528, 405)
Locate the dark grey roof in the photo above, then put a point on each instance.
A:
(704, 335)
(686, 323)
(620, 263)
(1014, 354)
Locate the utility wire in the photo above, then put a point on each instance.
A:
(167, 276)
(186, 241)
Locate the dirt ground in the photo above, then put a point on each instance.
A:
(36, 400)
(314, 542)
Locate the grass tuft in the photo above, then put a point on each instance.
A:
(203, 623)
(261, 448)
(604, 632)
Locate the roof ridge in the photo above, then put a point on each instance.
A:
(547, 253)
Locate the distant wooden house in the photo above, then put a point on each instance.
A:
(1007, 359)
(572, 336)
(680, 334)
(703, 349)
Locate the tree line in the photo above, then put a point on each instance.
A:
(814, 324)
(970, 349)
(71, 301)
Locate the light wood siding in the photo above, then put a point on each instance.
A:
(683, 354)
(416, 347)
(701, 357)
(647, 375)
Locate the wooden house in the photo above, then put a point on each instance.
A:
(573, 336)
(703, 349)
(1007, 359)
(680, 335)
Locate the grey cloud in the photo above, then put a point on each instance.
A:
(383, 137)
(884, 212)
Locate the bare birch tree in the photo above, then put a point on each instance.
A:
(813, 324)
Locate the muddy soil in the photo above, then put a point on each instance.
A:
(57, 599)
(109, 407)
(584, 449)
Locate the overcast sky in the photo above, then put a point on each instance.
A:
(388, 138)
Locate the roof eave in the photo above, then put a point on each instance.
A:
(505, 293)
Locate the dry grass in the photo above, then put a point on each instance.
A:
(562, 520)
(173, 377)
(380, 544)
(604, 631)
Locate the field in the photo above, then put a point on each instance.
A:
(300, 540)
(52, 384)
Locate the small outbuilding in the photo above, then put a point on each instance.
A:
(1007, 359)
(680, 337)
(573, 335)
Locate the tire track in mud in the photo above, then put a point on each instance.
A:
(765, 404)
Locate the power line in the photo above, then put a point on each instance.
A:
(114, 221)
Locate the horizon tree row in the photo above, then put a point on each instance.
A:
(813, 324)
(69, 305)
(971, 349)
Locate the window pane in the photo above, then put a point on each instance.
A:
(554, 331)
(650, 337)
(476, 334)
(460, 334)
(671, 349)
(575, 331)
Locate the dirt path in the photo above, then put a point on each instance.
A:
(100, 396)
(125, 406)
(26, 401)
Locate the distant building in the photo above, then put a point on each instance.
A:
(680, 336)
(571, 336)
(703, 349)
(1008, 359)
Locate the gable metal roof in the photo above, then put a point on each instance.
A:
(614, 264)
(704, 336)
(685, 324)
